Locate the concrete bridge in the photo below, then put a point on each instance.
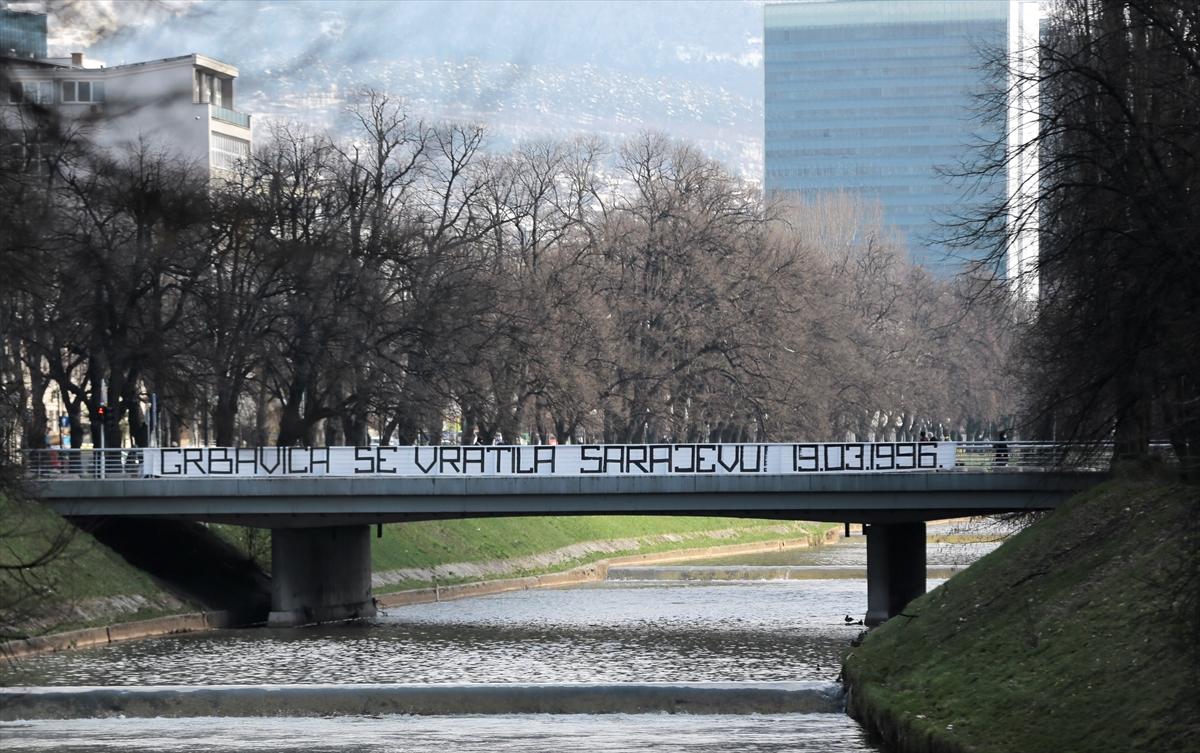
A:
(320, 502)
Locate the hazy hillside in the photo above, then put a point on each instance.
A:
(691, 69)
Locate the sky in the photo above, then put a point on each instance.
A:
(690, 68)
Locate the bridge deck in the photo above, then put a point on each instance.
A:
(302, 502)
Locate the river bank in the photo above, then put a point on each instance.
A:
(1077, 634)
(598, 569)
(578, 562)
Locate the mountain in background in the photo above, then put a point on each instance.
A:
(527, 70)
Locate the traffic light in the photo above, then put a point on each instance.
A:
(102, 411)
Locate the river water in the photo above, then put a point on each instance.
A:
(618, 634)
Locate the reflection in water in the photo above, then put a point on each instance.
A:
(757, 631)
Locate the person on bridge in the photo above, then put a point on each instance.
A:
(1001, 449)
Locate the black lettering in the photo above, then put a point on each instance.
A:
(495, 451)
(712, 468)
(193, 457)
(432, 461)
(262, 454)
(829, 466)
(364, 455)
(251, 460)
(472, 456)
(319, 456)
(518, 453)
(640, 461)
(544, 456)
(448, 459)
(804, 458)
(906, 456)
(852, 453)
(176, 470)
(691, 466)
(380, 452)
(884, 456)
(291, 456)
(927, 457)
(609, 450)
(660, 454)
(758, 459)
(589, 453)
(737, 457)
(219, 462)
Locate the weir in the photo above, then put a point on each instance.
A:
(412, 699)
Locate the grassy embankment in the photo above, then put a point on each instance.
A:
(89, 585)
(511, 546)
(1078, 634)
(84, 584)
(433, 543)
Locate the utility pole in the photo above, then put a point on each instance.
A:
(102, 414)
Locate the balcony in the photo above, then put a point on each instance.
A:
(233, 117)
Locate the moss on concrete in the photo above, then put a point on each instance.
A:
(1078, 634)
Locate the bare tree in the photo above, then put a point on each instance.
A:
(1110, 350)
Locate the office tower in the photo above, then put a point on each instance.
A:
(22, 34)
(876, 97)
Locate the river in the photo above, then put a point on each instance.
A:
(618, 638)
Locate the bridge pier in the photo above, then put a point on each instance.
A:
(320, 574)
(895, 568)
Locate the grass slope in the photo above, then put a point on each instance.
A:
(85, 584)
(1078, 634)
(428, 544)
(431, 543)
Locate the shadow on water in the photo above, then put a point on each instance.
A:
(624, 633)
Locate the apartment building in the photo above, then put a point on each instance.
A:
(183, 107)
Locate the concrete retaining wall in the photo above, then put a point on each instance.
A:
(88, 637)
(596, 571)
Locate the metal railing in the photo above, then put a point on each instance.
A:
(114, 464)
(997, 455)
(991, 456)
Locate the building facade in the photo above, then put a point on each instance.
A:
(22, 34)
(880, 98)
(181, 107)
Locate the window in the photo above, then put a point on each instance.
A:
(228, 151)
(32, 93)
(83, 91)
(24, 152)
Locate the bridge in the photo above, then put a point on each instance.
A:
(321, 502)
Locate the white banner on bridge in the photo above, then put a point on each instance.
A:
(550, 460)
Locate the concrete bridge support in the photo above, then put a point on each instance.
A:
(320, 574)
(895, 568)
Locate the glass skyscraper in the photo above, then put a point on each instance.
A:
(22, 35)
(873, 97)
